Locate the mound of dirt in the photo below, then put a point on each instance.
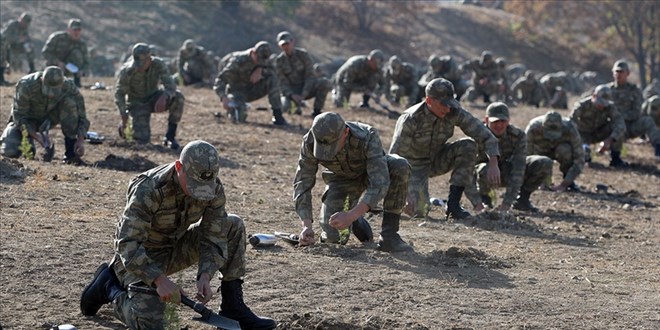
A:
(135, 163)
(463, 257)
(13, 169)
(319, 321)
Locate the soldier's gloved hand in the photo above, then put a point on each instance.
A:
(121, 128)
(493, 173)
(605, 146)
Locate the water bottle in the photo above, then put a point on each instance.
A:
(262, 240)
(436, 201)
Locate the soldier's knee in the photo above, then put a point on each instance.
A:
(236, 221)
(398, 164)
(466, 146)
(9, 152)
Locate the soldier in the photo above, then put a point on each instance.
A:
(421, 135)
(295, 73)
(487, 79)
(444, 67)
(16, 37)
(401, 80)
(556, 84)
(597, 120)
(652, 89)
(139, 79)
(42, 100)
(520, 173)
(99, 65)
(628, 101)
(160, 233)
(247, 76)
(556, 137)
(652, 108)
(4, 60)
(193, 64)
(360, 74)
(371, 176)
(529, 90)
(67, 50)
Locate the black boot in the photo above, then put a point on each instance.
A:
(169, 139)
(76, 80)
(616, 160)
(70, 156)
(523, 203)
(3, 82)
(454, 208)
(233, 307)
(657, 150)
(362, 230)
(487, 201)
(278, 119)
(389, 240)
(316, 113)
(365, 101)
(102, 290)
(32, 68)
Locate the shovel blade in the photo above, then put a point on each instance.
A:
(219, 321)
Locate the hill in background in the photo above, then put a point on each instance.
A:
(329, 30)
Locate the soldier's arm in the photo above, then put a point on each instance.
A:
(518, 164)
(402, 140)
(377, 171)
(304, 180)
(229, 73)
(475, 129)
(578, 154)
(48, 50)
(181, 61)
(21, 109)
(310, 78)
(121, 89)
(85, 58)
(285, 87)
(618, 124)
(214, 228)
(83, 122)
(133, 230)
(166, 79)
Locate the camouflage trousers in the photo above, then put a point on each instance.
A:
(410, 90)
(598, 135)
(342, 92)
(459, 156)
(319, 91)
(75, 56)
(563, 154)
(486, 90)
(267, 86)
(141, 114)
(344, 193)
(537, 170)
(197, 71)
(64, 113)
(532, 96)
(635, 128)
(143, 311)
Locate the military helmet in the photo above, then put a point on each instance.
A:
(25, 17)
(140, 53)
(378, 56)
(189, 44)
(434, 61)
(395, 63)
(486, 55)
(262, 48)
(442, 90)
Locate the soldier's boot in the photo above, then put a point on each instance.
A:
(76, 80)
(587, 153)
(616, 159)
(487, 201)
(454, 208)
(278, 119)
(657, 150)
(365, 101)
(32, 68)
(70, 156)
(316, 113)
(523, 203)
(170, 139)
(102, 290)
(233, 307)
(389, 240)
(3, 82)
(362, 230)
(573, 187)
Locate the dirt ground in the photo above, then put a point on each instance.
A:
(588, 260)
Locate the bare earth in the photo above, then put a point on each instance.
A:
(589, 260)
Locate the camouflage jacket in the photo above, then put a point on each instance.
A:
(537, 144)
(491, 72)
(158, 213)
(355, 74)
(419, 134)
(589, 119)
(31, 107)
(297, 69)
(58, 47)
(628, 100)
(407, 76)
(197, 55)
(362, 159)
(236, 73)
(15, 35)
(140, 86)
(513, 150)
(527, 87)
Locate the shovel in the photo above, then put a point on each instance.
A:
(207, 316)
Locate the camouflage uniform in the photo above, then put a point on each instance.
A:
(361, 172)
(155, 237)
(487, 79)
(234, 79)
(355, 75)
(60, 47)
(295, 74)
(421, 137)
(32, 108)
(628, 101)
(529, 90)
(596, 125)
(556, 84)
(142, 89)
(518, 171)
(17, 43)
(651, 108)
(401, 80)
(194, 62)
(652, 89)
(559, 139)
